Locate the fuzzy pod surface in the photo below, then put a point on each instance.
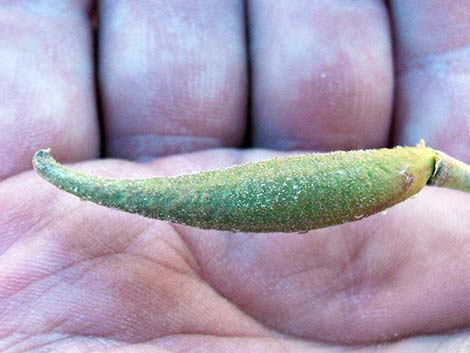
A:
(290, 194)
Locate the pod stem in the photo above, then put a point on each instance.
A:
(450, 173)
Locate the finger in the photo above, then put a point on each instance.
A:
(47, 94)
(433, 64)
(322, 74)
(173, 76)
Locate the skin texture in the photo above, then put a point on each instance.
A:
(76, 277)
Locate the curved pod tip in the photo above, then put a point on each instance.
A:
(42, 159)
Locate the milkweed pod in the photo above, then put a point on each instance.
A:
(290, 194)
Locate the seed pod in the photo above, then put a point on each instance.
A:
(291, 194)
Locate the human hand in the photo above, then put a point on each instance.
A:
(173, 79)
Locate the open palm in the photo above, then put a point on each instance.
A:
(174, 82)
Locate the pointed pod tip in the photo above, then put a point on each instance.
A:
(42, 161)
(42, 153)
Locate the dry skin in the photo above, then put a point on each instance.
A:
(291, 194)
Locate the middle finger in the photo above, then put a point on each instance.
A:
(322, 74)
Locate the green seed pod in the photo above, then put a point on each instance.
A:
(291, 194)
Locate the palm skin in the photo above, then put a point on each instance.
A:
(77, 277)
